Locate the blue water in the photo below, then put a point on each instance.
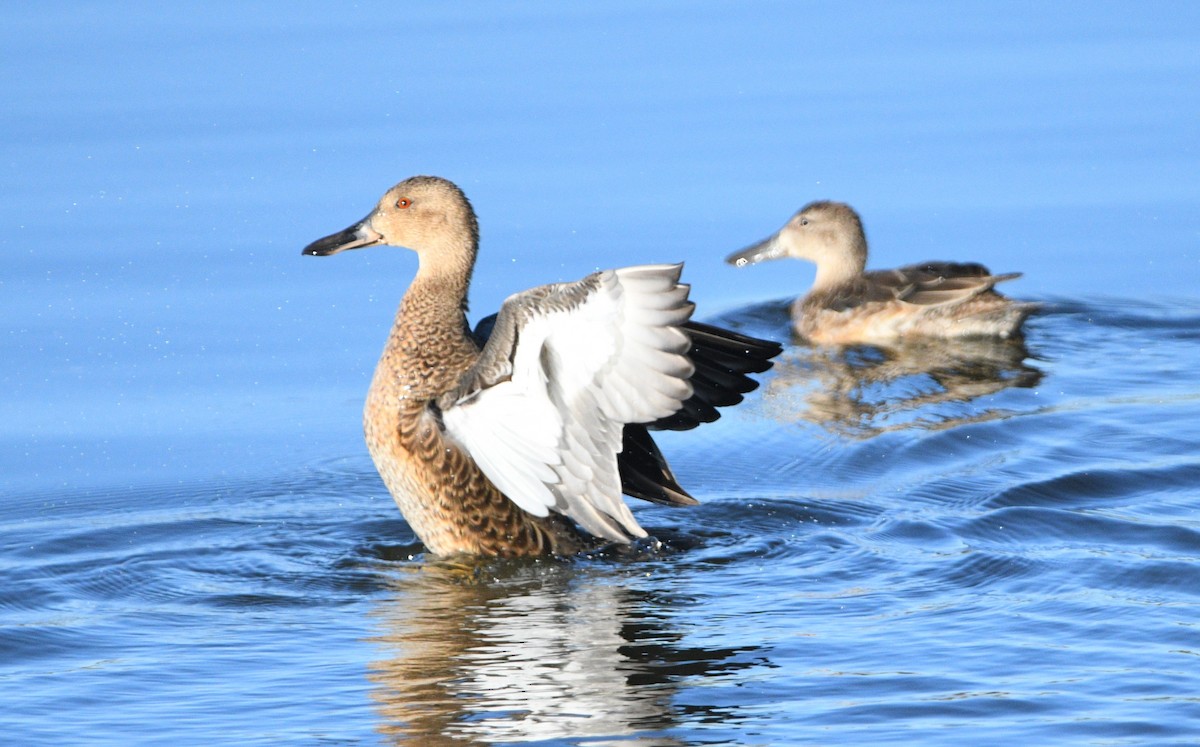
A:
(940, 545)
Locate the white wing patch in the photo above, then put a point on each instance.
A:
(589, 357)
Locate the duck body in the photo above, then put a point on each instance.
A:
(849, 304)
(930, 299)
(520, 439)
(449, 503)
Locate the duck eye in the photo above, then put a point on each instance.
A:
(403, 202)
(804, 221)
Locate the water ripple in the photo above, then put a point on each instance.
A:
(1098, 486)
(1037, 528)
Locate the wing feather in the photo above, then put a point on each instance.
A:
(566, 367)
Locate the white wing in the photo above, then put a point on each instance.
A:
(567, 366)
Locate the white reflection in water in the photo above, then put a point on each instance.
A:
(550, 653)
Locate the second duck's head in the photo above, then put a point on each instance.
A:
(826, 233)
(427, 214)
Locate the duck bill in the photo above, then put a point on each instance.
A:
(770, 248)
(355, 237)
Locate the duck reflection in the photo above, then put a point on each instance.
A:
(865, 390)
(530, 651)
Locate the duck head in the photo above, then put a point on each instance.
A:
(427, 214)
(819, 232)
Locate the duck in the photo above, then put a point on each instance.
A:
(519, 437)
(849, 305)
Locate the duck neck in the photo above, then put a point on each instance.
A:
(438, 293)
(840, 267)
(429, 347)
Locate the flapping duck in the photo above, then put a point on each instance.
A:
(520, 438)
(848, 304)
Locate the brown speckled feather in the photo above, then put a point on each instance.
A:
(442, 493)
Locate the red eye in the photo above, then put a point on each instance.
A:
(403, 202)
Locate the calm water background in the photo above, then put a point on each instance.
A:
(935, 546)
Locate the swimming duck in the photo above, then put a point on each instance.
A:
(848, 305)
(519, 438)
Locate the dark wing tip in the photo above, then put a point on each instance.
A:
(645, 474)
(724, 360)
